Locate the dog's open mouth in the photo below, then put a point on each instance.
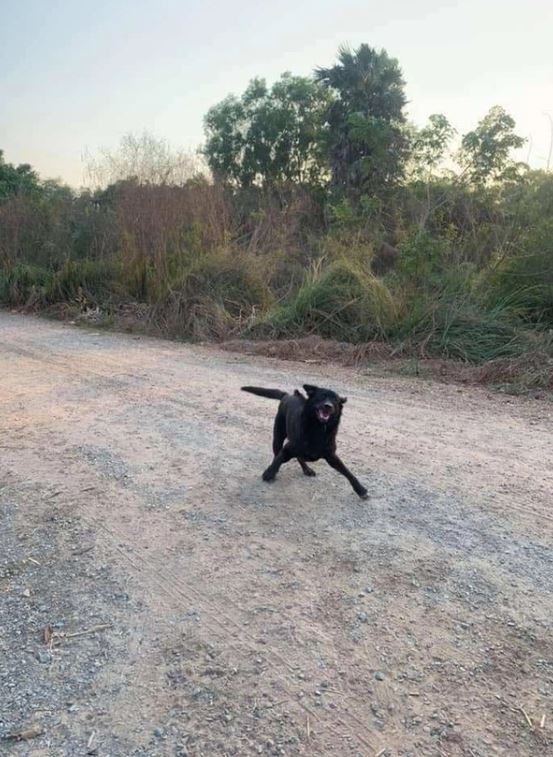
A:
(324, 412)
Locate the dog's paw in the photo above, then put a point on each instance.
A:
(268, 476)
(309, 472)
(363, 493)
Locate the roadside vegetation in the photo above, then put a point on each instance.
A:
(315, 208)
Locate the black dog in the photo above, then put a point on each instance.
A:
(310, 426)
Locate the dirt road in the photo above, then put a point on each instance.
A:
(191, 609)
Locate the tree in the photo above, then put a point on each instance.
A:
(485, 151)
(366, 141)
(268, 136)
(429, 145)
(144, 159)
(17, 180)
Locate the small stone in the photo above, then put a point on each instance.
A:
(43, 656)
(362, 617)
(379, 675)
(158, 732)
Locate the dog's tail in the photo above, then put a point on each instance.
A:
(272, 394)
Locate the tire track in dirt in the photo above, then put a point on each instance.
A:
(175, 588)
(150, 570)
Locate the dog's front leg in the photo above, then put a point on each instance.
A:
(335, 462)
(285, 454)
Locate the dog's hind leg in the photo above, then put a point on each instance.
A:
(279, 432)
(305, 468)
(285, 454)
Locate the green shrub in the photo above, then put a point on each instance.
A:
(22, 284)
(525, 279)
(83, 281)
(459, 328)
(94, 281)
(214, 297)
(422, 257)
(339, 302)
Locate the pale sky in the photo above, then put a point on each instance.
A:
(77, 76)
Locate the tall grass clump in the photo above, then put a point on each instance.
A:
(24, 284)
(340, 301)
(83, 282)
(214, 297)
(525, 279)
(460, 329)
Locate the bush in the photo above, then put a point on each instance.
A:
(423, 258)
(525, 280)
(86, 282)
(94, 282)
(339, 302)
(459, 328)
(24, 284)
(214, 297)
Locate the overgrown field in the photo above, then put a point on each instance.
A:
(325, 213)
(203, 262)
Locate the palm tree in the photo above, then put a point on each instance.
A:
(366, 143)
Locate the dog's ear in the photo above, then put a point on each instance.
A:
(343, 400)
(310, 390)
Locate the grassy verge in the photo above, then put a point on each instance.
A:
(352, 316)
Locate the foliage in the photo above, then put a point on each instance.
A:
(268, 136)
(485, 151)
(429, 145)
(423, 258)
(366, 141)
(16, 180)
(340, 301)
(83, 283)
(458, 327)
(143, 159)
